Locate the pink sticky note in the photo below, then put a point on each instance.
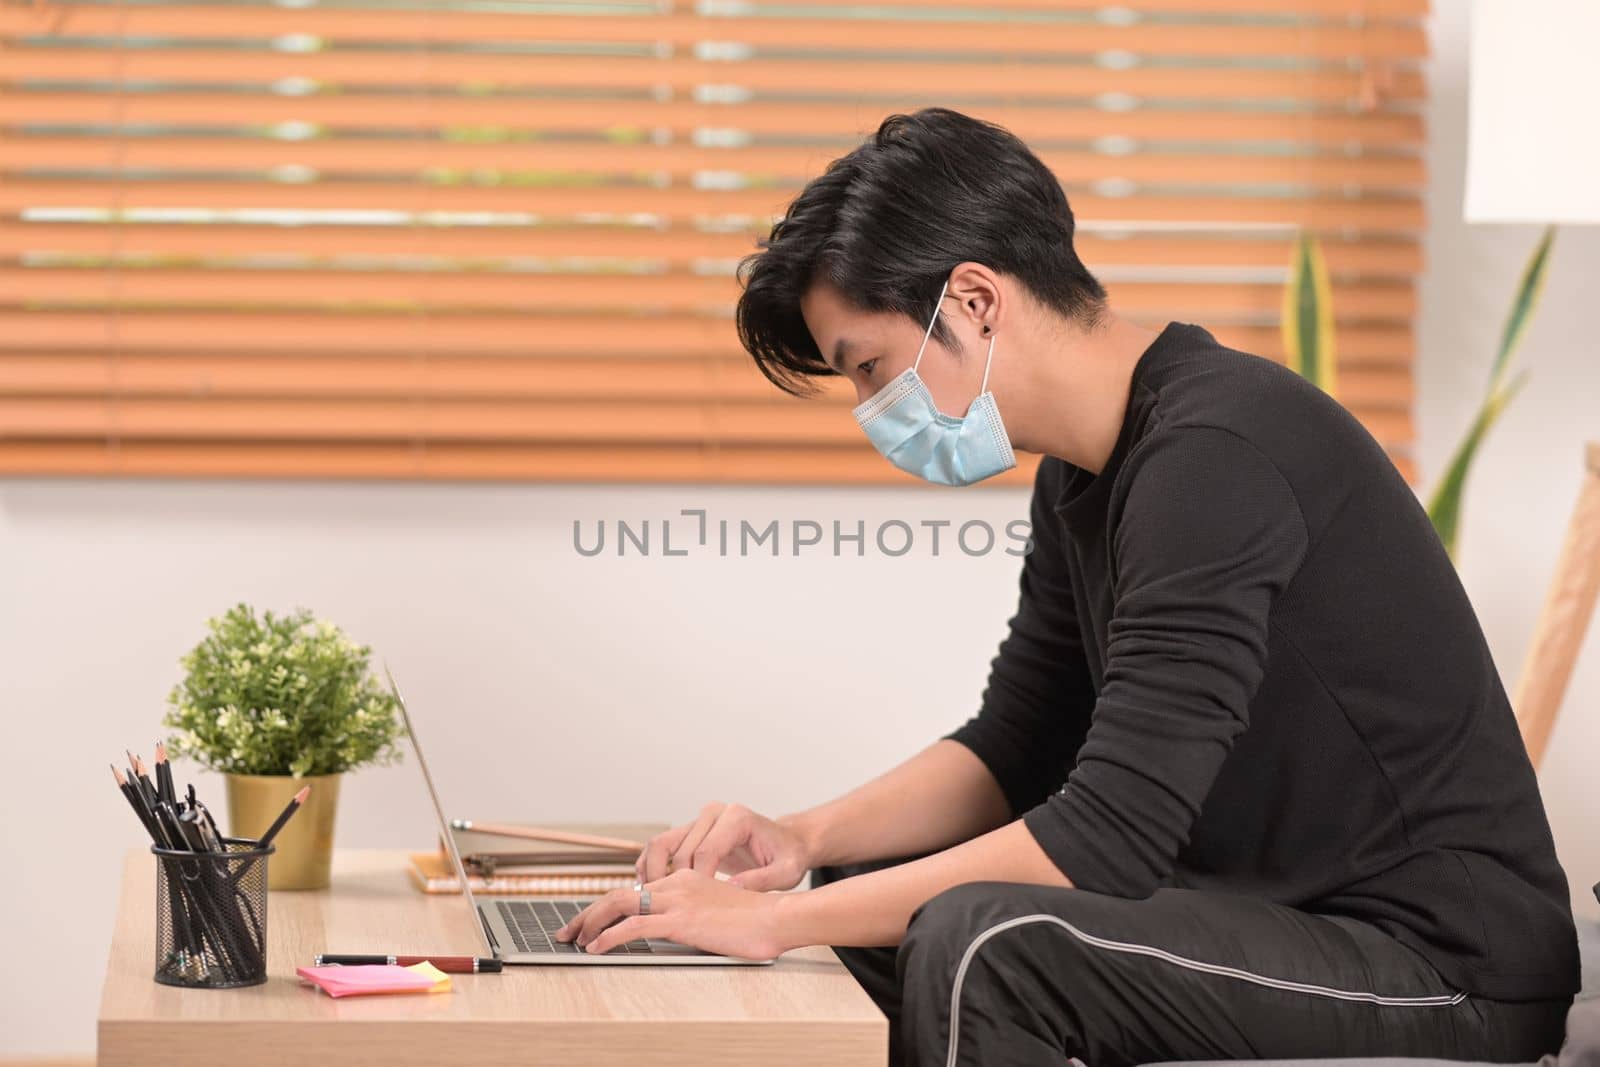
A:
(366, 980)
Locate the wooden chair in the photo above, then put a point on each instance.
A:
(1566, 614)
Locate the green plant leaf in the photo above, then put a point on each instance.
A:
(1307, 320)
(1522, 305)
(1444, 507)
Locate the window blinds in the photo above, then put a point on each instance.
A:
(495, 239)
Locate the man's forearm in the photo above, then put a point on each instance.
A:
(942, 795)
(874, 908)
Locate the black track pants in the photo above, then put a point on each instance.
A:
(1004, 975)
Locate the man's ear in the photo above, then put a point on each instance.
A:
(980, 296)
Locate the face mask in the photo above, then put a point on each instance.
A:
(903, 422)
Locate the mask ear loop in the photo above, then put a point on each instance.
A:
(987, 363)
(929, 332)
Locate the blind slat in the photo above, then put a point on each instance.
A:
(326, 419)
(1376, 10)
(820, 121)
(676, 204)
(471, 290)
(950, 80)
(612, 421)
(679, 249)
(1328, 41)
(229, 459)
(721, 376)
(451, 460)
(353, 156)
(515, 335)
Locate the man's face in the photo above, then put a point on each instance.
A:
(871, 348)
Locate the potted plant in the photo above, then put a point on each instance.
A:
(277, 702)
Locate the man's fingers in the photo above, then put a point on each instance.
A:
(684, 853)
(761, 879)
(730, 831)
(653, 864)
(567, 928)
(629, 929)
(587, 924)
(574, 926)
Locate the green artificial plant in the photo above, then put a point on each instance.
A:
(1307, 322)
(1308, 349)
(1444, 507)
(280, 695)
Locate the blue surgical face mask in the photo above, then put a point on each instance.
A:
(903, 422)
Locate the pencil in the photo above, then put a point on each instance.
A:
(284, 817)
(152, 798)
(179, 902)
(538, 833)
(164, 783)
(133, 802)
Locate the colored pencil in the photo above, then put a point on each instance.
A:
(565, 837)
(284, 817)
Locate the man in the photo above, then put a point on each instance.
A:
(1244, 782)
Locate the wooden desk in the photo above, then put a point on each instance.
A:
(804, 1009)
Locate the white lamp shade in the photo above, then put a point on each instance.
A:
(1533, 129)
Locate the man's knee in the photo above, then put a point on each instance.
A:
(952, 913)
(989, 945)
(947, 927)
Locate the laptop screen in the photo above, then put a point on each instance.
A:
(444, 824)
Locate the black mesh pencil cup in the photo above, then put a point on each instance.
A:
(211, 916)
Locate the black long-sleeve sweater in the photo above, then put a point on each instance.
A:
(1245, 653)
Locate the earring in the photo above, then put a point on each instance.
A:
(986, 327)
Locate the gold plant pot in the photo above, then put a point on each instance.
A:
(304, 859)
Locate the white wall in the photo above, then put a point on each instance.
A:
(546, 685)
(554, 686)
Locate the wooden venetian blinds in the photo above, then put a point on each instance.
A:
(495, 238)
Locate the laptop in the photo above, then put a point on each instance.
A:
(522, 930)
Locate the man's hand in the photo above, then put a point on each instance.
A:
(760, 853)
(688, 907)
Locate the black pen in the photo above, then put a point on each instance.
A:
(210, 840)
(193, 831)
(174, 829)
(447, 964)
(206, 813)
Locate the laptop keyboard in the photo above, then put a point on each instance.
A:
(533, 924)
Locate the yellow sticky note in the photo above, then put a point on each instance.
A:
(441, 981)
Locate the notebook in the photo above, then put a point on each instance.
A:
(432, 874)
(607, 871)
(473, 843)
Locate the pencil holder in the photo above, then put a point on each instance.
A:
(211, 916)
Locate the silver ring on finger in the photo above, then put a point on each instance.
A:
(644, 902)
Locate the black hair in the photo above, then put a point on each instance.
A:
(886, 223)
